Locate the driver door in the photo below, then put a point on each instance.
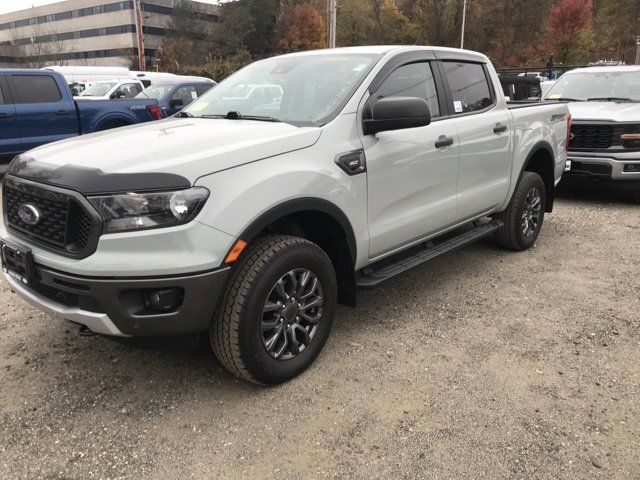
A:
(412, 173)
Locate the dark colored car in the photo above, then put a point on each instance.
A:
(173, 97)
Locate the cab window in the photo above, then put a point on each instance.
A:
(469, 86)
(412, 80)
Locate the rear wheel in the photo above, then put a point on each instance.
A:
(277, 311)
(524, 216)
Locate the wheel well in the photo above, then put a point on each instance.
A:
(541, 162)
(109, 124)
(325, 231)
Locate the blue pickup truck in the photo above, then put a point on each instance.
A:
(36, 107)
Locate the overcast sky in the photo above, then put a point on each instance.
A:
(14, 5)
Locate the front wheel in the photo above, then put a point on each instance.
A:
(277, 310)
(524, 216)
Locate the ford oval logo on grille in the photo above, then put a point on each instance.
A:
(29, 214)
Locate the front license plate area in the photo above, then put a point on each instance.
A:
(17, 262)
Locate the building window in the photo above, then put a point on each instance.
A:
(63, 15)
(66, 36)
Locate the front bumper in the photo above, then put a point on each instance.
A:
(605, 168)
(116, 306)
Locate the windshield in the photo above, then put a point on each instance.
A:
(613, 85)
(157, 91)
(98, 89)
(304, 90)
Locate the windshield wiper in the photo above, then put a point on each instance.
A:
(183, 114)
(239, 116)
(610, 99)
(566, 99)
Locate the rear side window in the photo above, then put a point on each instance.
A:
(412, 80)
(469, 86)
(201, 89)
(36, 89)
(186, 94)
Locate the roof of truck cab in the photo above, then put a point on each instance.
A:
(384, 49)
(29, 71)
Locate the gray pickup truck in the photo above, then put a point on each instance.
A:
(604, 145)
(251, 217)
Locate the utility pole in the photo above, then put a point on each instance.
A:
(139, 34)
(464, 20)
(331, 23)
(638, 50)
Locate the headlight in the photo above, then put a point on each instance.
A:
(139, 211)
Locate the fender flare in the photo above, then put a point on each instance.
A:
(112, 116)
(542, 145)
(301, 205)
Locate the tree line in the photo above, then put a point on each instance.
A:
(510, 32)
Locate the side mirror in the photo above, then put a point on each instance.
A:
(396, 113)
(176, 103)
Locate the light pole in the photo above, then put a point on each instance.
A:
(139, 35)
(464, 20)
(331, 23)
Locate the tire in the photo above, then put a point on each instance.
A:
(516, 234)
(253, 310)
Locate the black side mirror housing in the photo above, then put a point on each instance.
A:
(396, 113)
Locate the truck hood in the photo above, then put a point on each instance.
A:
(605, 111)
(185, 148)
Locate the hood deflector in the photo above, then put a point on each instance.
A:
(93, 181)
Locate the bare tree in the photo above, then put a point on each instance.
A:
(60, 47)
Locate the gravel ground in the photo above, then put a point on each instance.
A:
(481, 364)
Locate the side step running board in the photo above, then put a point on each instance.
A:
(373, 276)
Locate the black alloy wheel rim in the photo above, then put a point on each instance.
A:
(291, 314)
(531, 213)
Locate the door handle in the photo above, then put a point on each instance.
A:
(6, 115)
(499, 128)
(63, 112)
(444, 141)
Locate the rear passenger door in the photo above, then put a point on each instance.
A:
(485, 137)
(10, 143)
(44, 113)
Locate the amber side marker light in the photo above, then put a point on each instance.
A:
(235, 251)
(630, 136)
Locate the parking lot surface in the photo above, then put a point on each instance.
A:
(481, 364)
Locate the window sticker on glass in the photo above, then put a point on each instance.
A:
(194, 95)
(457, 106)
(196, 107)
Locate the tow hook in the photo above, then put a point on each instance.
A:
(85, 331)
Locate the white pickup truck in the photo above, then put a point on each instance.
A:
(251, 218)
(604, 145)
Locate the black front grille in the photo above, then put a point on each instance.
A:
(591, 136)
(65, 224)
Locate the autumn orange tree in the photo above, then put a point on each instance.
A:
(568, 24)
(302, 29)
(511, 32)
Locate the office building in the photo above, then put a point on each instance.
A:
(89, 32)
